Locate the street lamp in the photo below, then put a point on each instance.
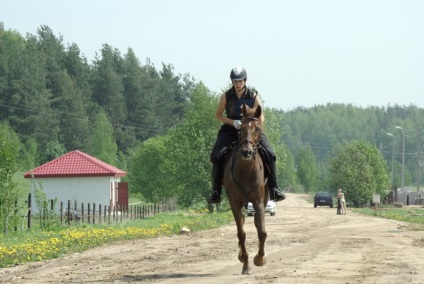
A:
(393, 156)
(403, 155)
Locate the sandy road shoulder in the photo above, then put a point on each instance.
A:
(304, 245)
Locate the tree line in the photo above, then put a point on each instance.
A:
(318, 130)
(160, 126)
(56, 101)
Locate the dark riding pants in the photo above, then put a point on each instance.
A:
(226, 136)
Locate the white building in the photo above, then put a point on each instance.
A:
(78, 177)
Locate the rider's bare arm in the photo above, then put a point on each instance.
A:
(258, 102)
(219, 114)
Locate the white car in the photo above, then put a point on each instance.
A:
(270, 208)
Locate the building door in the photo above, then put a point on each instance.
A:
(123, 194)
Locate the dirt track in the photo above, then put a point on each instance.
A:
(304, 245)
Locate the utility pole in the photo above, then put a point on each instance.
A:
(418, 164)
(403, 156)
(393, 156)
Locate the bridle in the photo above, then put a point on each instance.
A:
(247, 140)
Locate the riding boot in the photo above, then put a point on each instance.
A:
(215, 197)
(276, 193)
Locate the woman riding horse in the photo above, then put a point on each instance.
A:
(244, 181)
(231, 103)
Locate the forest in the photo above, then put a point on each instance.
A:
(160, 126)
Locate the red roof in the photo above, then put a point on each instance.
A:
(75, 164)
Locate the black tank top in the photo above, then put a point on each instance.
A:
(234, 104)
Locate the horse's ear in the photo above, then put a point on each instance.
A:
(244, 110)
(258, 111)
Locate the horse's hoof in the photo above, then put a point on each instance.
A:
(245, 270)
(259, 261)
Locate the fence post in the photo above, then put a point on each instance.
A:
(88, 213)
(82, 212)
(61, 212)
(68, 213)
(16, 213)
(122, 211)
(100, 213)
(29, 211)
(94, 213)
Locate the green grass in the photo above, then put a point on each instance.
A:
(37, 245)
(411, 215)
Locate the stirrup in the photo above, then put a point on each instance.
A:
(276, 194)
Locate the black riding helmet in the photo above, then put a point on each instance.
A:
(238, 73)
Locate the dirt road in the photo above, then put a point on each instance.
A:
(304, 245)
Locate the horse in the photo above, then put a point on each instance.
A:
(245, 181)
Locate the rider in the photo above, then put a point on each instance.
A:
(231, 102)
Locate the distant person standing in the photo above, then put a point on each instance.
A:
(340, 195)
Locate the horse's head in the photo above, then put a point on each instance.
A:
(250, 132)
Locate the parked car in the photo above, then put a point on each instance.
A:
(323, 199)
(270, 208)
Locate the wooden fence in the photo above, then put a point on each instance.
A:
(92, 213)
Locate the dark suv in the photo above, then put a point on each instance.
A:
(323, 199)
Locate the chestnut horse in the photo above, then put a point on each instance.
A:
(244, 182)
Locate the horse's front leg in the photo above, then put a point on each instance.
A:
(260, 258)
(241, 234)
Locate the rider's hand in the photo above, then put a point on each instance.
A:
(237, 124)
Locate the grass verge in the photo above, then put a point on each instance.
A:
(37, 245)
(413, 215)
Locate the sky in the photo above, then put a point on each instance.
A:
(297, 53)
